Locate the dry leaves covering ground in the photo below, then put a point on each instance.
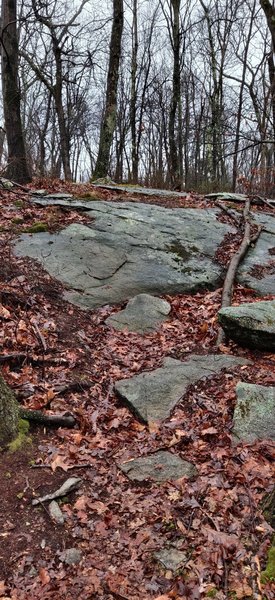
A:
(116, 524)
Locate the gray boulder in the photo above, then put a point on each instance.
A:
(250, 324)
(160, 466)
(254, 415)
(142, 313)
(153, 395)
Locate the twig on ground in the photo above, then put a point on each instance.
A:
(69, 468)
(39, 335)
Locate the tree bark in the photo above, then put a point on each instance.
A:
(17, 168)
(9, 414)
(109, 118)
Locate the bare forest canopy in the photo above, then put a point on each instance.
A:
(168, 93)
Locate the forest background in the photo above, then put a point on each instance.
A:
(177, 93)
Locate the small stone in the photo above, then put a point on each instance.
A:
(171, 558)
(71, 556)
(254, 415)
(143, 313)
(160, 466)
(251, 324)
(56, 513)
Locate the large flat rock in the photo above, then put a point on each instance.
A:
(251, 324)
(129, 249)
(254, 415)
(160, 466)
(153, 395)
(132, 248)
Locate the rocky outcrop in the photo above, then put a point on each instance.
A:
(250, 324)
(130, 249)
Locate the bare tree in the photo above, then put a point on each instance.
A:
(109, 117)
(17, 168)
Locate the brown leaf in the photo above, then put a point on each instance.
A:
(4, 312)
(44, 576)
(81, 502)
(59, 462)
(2, 587)
(98, 507)
(209, 431)
(220, 537)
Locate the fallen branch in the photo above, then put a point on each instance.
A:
(265, 201)
(246, 242)
(69, 468)
(68, 486)
(39, 417)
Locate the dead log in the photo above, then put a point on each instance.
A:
(246, 242)
(40, 418)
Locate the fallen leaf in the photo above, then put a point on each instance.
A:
(209, 431)
(81, 502)
(2, 587)
(59, 462)
(4, 312)
(44, 576)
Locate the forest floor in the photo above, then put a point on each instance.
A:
(60, 358)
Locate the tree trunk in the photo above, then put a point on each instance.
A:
(17, 168)
(133, 103)
(109, 117)
(63, 127)
(269, 11)
(9, 414)
(175, 101)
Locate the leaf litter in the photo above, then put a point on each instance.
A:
(58, 358)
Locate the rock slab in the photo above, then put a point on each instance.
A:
(130, 249)
(153, 395)
(143, 313)
(254, 415)
(150, 249)
(160, 466)
(250, 324)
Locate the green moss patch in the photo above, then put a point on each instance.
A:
(37, 227)
(22, 437)
(269, 573)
